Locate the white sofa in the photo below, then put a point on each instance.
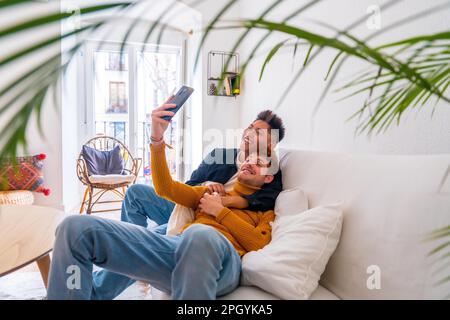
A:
(391, 203)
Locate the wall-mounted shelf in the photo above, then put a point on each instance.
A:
(225, 76)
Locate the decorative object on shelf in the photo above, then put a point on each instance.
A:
(223, 74)
(212, 89)
(23, 173)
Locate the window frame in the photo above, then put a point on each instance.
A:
(86, 87)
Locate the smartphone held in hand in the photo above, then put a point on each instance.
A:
(179, 99)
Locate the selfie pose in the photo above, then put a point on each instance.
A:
(142, 203)
(203, 261)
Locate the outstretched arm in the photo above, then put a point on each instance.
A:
(168, 188)
(165, 186)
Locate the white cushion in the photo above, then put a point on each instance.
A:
(291, 264)
(291, 201)
(111, 178)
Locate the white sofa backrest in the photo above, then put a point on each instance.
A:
(391, 203)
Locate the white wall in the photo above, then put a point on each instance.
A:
(219, 113)
(417, 133)
(50, 142)
(70, 118)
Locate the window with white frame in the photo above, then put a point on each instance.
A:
(122, 88)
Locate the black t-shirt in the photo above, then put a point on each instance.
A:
(220, 165)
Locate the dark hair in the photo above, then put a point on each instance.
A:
(273, 121)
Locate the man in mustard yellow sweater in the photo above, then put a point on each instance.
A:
(202, 262)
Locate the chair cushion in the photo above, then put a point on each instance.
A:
(111, 178)
(103, 162)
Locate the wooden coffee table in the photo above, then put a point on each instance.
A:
(27, 233)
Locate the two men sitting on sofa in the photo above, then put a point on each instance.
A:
(142, 203)
(202, 262)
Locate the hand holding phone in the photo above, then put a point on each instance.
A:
(163, 114)
(179, 99)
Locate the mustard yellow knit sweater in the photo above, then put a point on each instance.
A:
(246, 230)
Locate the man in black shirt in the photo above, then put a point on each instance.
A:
(142, 203)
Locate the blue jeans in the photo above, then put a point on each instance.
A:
(198, 264)
(141, 204)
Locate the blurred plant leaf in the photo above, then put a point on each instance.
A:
(443, 236)
(294, 14)
(27, 92)
(210, 27)
(243, 36)
(270, 55)
(308, 54)
(55, 17)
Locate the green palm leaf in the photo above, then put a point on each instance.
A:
(243, 36)
(210, 27)
(294, 14)
(270, 55)
(56, 17)
(441, 252)
(388, 28)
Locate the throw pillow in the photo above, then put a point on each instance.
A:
(103, 162)
(25, 173)
(290, 266)
(291, 201)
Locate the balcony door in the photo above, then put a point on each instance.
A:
(122, 89)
